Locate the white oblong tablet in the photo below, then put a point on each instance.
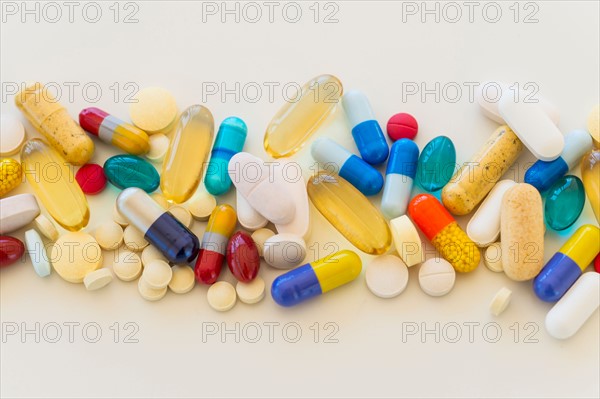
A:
(571, 312)
(500, 301)
(181, 214)
(221, 296)
(284, 251)
(436, 277)
(159, 144)
(407, 240)
(289, 175)
(248, 217)
(109, 235)
(97, 279)
(157, 274)
(46, 227)
(493, 257)
(37, 253)
(251, 292)
(127, 266)
(12, 135)
(261, 236)
(183, 279)
(150, 253)
(17, 211)
(387, 276)
(484, 226)
(202, 206)
(149, 293)
(134, 239)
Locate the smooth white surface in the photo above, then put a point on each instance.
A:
(12, 135)
(396, 195)
(46, 227)
(284, 251)
(577, 143)
(290, 176)
(357, 107)
(247, 216)
(436, 277)
(327, 151)
(386, 276)
(17, 211)
(407, 241)
(369, 48)
(97, 279)
(500, 301)
(37, 253)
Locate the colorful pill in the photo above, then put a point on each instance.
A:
(366, 131)
(125, 171)
(91, 178)
(230, 140)
(316, 278)
(358, 173)
(242, 257)
(11, 250)
(436, 163)
(444, 233)
(175, 241)
(402, 126)
(114, 131)
(564, 202)
(214, 244)
(11, 175)
(399, 177)
(563, 269)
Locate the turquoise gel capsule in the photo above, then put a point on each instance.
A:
(230, 140)
(564, 202)
(436, 164)
(126, 171)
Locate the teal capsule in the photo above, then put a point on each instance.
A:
(230, 140)
(436, 164)
(564, 202)
(126, 171)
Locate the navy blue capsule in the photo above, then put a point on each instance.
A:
(173, 239)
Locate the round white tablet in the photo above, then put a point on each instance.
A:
(117, 217)
(127, 266)
(436, 277)
(12, 135)
(97, 279)
(159, 144)
(74, 255)
(150, 253)
(493, 257)
(251, 292)
(202, 206)
(46, 227)
(221, 296)
(109, 235)
(500, 301)
(160, 200)
(183, 279)
(261, 236)
(37, 253)
(149, 293)
(181, 214)
(134, 239)
(284, 251)
(157, 274)
(387, 276)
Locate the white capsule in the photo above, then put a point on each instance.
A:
(484, 226)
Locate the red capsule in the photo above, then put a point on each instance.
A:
(242, 257)
(91, 178)
(597, 263)
(11, 250)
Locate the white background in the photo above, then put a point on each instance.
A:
(372, 46)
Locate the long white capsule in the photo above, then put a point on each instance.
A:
(484, 226)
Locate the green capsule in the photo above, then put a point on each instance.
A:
(126, 171)
(436, 164)
(564, 202)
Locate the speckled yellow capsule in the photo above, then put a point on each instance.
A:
(10, 175)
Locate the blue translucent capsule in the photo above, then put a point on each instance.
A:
(436, 164)
(564, 202)
(399, 177)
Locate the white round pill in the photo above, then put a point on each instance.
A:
(251, 292)
(117, 217)
(261, 236)
(500, 301)
(492, 257)
(181, 214)
(202, 206)
(134, 239)
(183, 279)
(284, 251)
(109, 235)
(387, 276)
(436, 277)
(127, 266)
(159, 144)
(149, 293)
(221, 296)
(160, 200)
(150, 253)
(157, 274)
(46, 227)
(97, 279)
(12, 135)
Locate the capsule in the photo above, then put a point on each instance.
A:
(316, 278)
(230, 140)
(563, 269)
(242, 257)
(114, 131)
(543, 174)
(356, 171)
(175, 241)
(54, 185)
(590, 174)
(366, 131)
(399, 177)
(444, 233)
(184, 162)
(220, 227)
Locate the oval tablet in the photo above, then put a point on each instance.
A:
(402, 126)
(221, 296)
(157, 274)
(11, 250)
(500, 301)
(126, 171)
(153, 110)
(12, 135)
(564, 202)
(387, 276)
(149, 293)
(109, 235)
(17, 211)
(97, 279)
(242, 257)
(284, 251)
(127, 265)
(37, 253)
(74, 255)
(436, 164)
(183, 279)
(436, 277)
(46, 227)
(407, 240)
(251, 292)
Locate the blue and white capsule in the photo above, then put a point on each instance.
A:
(358, 173)
(366, 131)
(543, 174)
(399, 178)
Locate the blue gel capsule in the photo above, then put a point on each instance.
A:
(358, 173)
(366, 131)
(230, 140)
(399, 177)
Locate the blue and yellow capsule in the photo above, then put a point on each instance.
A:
(316, 278)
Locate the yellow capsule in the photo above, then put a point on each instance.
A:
(10, 175)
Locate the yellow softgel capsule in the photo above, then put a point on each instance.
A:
(350, 212)
(10, 175)
(297, 120)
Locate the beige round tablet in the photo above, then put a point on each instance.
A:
(12, 135)
(160, 200)
(492, 257)
(221, 296)
(157, 274)
(154, 110)
(252, 292)
(202, 206)
(109, 235)
(159, 144)
(134, 239)
(46, 227)
(181, 214)
(149, 293)
(260, 236)
(97, 279)
(500, 301)
(150, 253)
(183, 279)
(127, 266)
(387, 276)
(436, 277)
(74, 255)
(117, 217)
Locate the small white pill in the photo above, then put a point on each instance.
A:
(37, 253)
(436, 277)
(150, 253)
(484, 226)
(46, 227)
(221, 296)
(159, 144)
(120, 219)
(134, 239)
(149, 293)
(12, 135)
(157, 274)
(284, 251)
(500, 301)
(261, 236)
(251, 292)
(183, 279)
(17, 211)
(181, 214)
(493, 257)
(407, 240)
(248, 217)
(127, 266)
(160, 200)
(387, 276)
(97, 279)
(202, 206)
(109, 235)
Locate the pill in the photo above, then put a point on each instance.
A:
(284, 251)
(500, 301)
(476, 178)
(188, 151)
(157, 274)
(289, 176)
(160, 200)
(127, 265)
(183, 279)
(134, 238)
(593, 123)
(91, 178)
(590, 174)
(564, 202)
(175, 241)
(522, 232)
(214, 244)
(11, 250)
(492, 257)
(11, 175)
(242, 257)
(297, 120)
(357, 172)
(366, 131)
(150, 253)
(575, 307)
(484, 226)
(117, 217)
(407, 240)
(399, 176)
(597, 263)
(252, 179)
(436, 164)
(221, 296)
(112, 130)
(125, 171)
(230, 140)
(387, 276)
(97, 279)
(565, 266)
(159, 145)
(350, 212)
(248, 217)
(251, 292)
(543, 174)
(17, 211)
(436, 277)
(445, 234)
(46, 227)
(261, 236)
(316, 278)
(74, 255)
(402, 126)
(202, 206)
(149, 293)
(37, 253)
(60, 194)
(181, 214)
(153, 110)
(12, 135)
(51, 119)
(109, 235)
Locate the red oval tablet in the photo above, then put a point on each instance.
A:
(11, 250)
(242, 257)
(91, 178)
(597, 263)
(402, 126)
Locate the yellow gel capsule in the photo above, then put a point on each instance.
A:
(297, 120)
(54, 185)
(10, 175)
(350, 212)
(185, 160)
(590, 174)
